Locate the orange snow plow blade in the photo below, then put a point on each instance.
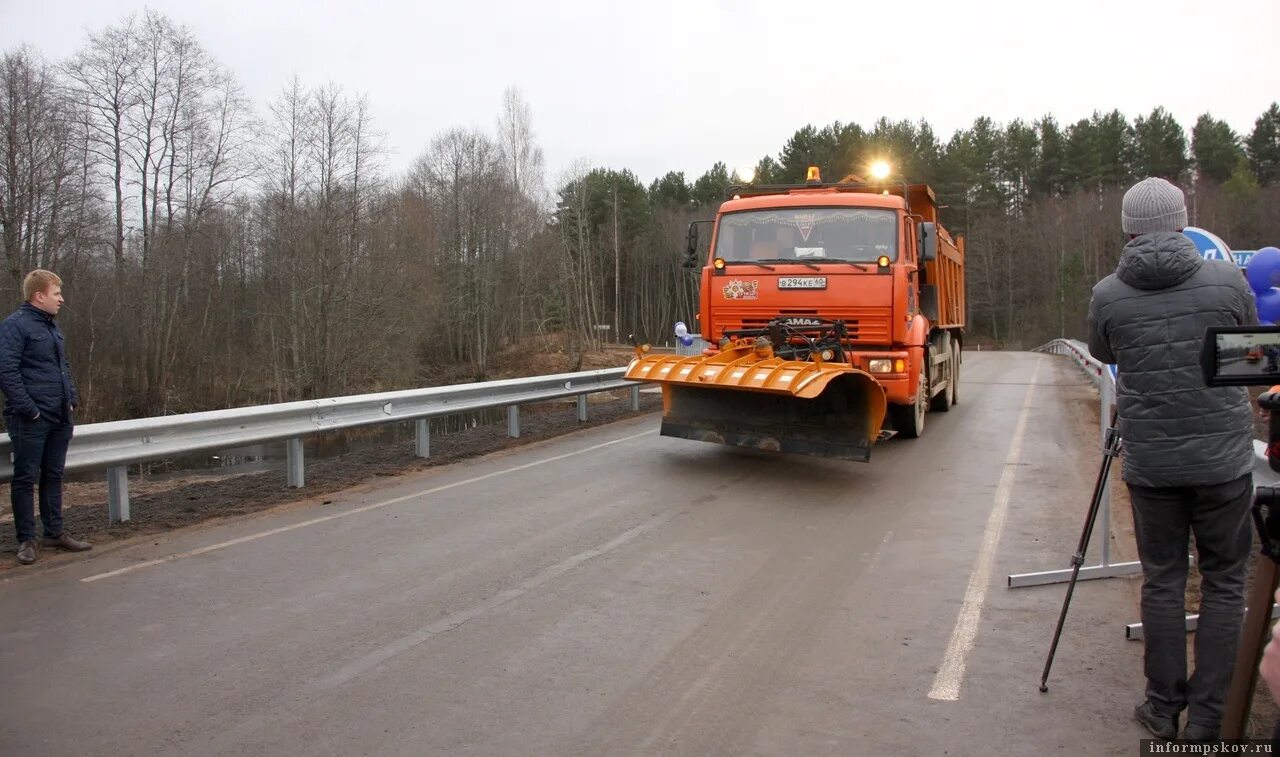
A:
(746, 397)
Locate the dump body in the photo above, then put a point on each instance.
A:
(858, 279)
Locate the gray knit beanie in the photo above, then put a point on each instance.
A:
(1153, 205)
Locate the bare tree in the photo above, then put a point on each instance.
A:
(39, 168)
(102, 81)
(526, 198)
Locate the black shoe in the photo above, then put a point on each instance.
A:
(27, 552)
(64, 541)
(1161, 726)
(1200, 733)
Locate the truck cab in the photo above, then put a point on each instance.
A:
(853, 272)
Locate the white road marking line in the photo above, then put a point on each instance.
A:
(946, 683)
(354, 511)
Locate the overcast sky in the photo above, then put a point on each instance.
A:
(656, 86)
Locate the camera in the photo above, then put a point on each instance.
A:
(1247, 356)
(1250, 356)
(1241, 356)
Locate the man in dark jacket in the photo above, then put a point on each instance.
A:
(1188, 451)
(40, 398)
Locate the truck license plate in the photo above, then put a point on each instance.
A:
(802, 282)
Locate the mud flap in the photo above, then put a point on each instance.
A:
(842, 422)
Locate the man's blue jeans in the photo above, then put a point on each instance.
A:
(39, 455)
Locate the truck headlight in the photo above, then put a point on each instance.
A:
(880, 366)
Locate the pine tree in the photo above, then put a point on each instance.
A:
(1215, 148)
(709, 189)
(1263, 146)
(1160, 146)
(1049, 179)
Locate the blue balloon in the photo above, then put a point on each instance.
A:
(1269, 305)
(1263, 270)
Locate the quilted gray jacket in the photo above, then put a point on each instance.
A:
(1149, 318)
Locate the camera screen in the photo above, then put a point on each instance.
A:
(1248, 357)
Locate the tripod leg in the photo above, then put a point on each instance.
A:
(1257, 624)
(1077, 560)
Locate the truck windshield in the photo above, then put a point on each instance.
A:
(808, 235)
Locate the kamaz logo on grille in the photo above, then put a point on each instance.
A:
(796, 321)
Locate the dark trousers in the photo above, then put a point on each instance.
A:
(39, 455)
(1164, 520)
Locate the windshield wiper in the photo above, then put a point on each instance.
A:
(752, 262)
(859, 266)
(792, 260)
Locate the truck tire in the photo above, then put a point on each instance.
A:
(943, 400)
(955, 373)
(908, 420)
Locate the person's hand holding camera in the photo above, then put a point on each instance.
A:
(1270, 667)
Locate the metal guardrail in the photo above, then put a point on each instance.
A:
(699, 344)
(117, 444)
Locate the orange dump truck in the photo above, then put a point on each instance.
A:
(836, 313)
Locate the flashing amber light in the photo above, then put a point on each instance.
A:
(899, 366)
(814, 176)
(883, 261)
(718, 263)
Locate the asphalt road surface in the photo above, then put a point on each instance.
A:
(1241, 366)
(611, 592)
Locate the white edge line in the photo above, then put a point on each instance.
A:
(946, 683)
(353, 511)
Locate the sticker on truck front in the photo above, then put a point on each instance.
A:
(737, 289)
(802, 282)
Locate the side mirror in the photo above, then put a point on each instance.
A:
(691, 249)
(928, 242)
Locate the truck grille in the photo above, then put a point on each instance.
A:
(869, 326)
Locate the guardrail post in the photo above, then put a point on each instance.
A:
(294, 461)
(635, 398)
(1107, 390)
(513, 421)
(422, 437)
(582, 408)
(117, 494)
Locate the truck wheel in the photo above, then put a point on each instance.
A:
(908, 420)
(946, 398)
(955, 374)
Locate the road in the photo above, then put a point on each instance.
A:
(1241, 366)
(611, 592)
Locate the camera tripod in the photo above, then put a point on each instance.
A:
(1257, 619)
(1110, 451)
(1266, 575)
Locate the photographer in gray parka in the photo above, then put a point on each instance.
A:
(1188, 451)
